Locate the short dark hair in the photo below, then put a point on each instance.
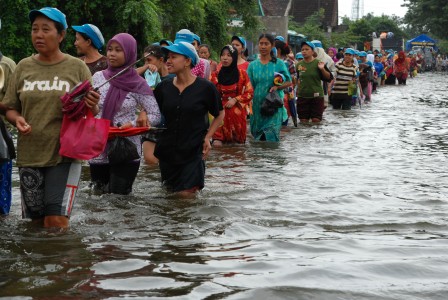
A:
(155, 51)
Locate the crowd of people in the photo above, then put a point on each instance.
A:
(196, 102)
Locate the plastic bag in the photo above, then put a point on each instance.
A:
(271, 104)
(121, 150)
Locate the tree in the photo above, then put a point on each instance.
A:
(428, 16)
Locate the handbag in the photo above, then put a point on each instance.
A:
(121, 150)
(271, 104)
(83, 138)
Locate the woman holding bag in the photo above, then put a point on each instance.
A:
(119, 101)
(48, 181)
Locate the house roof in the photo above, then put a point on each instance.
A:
(302, 9)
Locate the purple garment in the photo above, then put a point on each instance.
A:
(127, 82)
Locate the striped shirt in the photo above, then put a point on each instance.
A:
(344, 75)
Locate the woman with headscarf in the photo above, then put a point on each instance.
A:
(120, 99)
(48, 181)
(186, 102)
(332, 53)
(236, 93)
(401, 68)
(262, 73)
(389, 69)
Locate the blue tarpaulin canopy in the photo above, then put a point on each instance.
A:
(422, 40)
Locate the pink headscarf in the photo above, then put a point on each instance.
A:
(335, 51)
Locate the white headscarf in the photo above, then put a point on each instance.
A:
(371, 58)
(322, 56)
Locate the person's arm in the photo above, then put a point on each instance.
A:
(16, 119)
(217, 121)
(325, 73)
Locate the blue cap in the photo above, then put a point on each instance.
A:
(350, 51)
(299, 56)
(197, 38)
(93, 33)
(369, 52)
(184, 35)
(185, 49)
(51, 13)
(317, 43)
(362, 54)
(311, 45)
(164, 41)
(240, 39)
(357, 52)
(279, 38)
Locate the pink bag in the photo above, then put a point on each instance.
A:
(83, 138)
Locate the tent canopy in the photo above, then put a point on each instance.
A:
(421, 40)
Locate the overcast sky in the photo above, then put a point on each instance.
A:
(377, 7)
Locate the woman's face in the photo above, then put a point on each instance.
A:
(81, 44)
(348, 58)
(238, 46)
(115, 55)
(307, 51)
(203, 53)
(226, 58)
(330, 53)
(264, 46)
(177, 62)
(45, 36)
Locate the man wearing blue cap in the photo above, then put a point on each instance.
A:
(89, 41)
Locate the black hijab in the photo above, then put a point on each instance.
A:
(229, 75)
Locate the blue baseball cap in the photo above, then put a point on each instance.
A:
(362, 54)
(184, 48)
(350, 51)
(240, 39)
(93, 33)
(196, 38)
(279, 38)
(184, 35)
(52, 13)
(165, 41)
(317, 43)
(311, 45)
(299, 56)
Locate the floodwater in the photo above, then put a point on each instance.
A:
(355, 208)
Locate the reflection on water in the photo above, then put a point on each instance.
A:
(354, 208)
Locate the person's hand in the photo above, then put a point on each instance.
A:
(126, 125)
(274, 88)
(91, 99)
(206, 147)
(151, 68)
(142, 120)
(231, 102)
(22, 126)
(321, 65)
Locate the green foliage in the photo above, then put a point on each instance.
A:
(428, 16)
(147, 20)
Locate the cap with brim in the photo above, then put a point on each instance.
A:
(350, 51)
(197, 38)
(93, 33)
(279, 38)
(362, 54)
(184, 35)
(166, 42)
(299, 56)
(51, 13)
(240, 39)
(317, 43)
(309, 44)
(185, 49)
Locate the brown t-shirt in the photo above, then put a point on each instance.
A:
(34, 91)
